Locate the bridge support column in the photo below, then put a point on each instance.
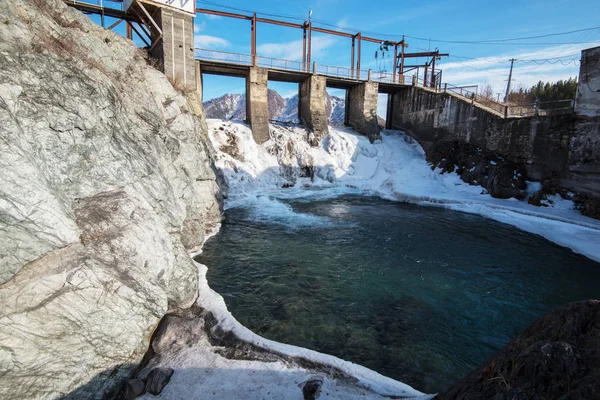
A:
(312, 107)
(257, 107)
(174, 46)
(390, 111)
(362, 109)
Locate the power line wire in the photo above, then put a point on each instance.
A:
(489, 41)
(539, 61)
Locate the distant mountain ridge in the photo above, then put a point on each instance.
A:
(233, 106)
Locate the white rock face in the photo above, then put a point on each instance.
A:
(106, 185)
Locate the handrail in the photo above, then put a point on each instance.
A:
(101, 4)
(506, 110)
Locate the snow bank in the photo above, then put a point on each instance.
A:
(394, 168)
(287, 167)
(276, 377)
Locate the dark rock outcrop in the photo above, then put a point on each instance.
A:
(134, 388)
(312, 389)
(590, 206)
(558, 357)
(157, 379)
(476, 166)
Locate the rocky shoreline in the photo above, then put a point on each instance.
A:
(109, 184)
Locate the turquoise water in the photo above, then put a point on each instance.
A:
(419, 294)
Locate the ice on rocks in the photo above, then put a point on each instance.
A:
(394, 168)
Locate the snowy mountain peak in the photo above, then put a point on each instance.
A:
(233, 106)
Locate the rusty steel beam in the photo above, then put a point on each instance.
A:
(309, 45)
(395, 65)
(304, 64)
(331, 32)
(136, 31)
(222, 13)
(352, 58)
(289, 24)
(402, 57)
(282, 23)
(253, 40)
(425, 54)
(307, 40)
(433, 72)
(149, 17)
(144, 26)
(359, 36)
(115, 24)
(128, 31)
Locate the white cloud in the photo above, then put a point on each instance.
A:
(210, 42)
(293, 50)
(488, 71)
(213, 17)
(199, 27)
(342, 23)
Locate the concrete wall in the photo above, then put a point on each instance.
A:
(562, 149)
(583, 166)
(361, 108)
(176, 49)
(587, 101)
(257, 104)
(312, 106)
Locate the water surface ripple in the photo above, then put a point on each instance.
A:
(420, 294)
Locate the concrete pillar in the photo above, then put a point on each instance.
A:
(257, 106)
(362, 109)
(390, 111)
(198, 77)
(587, 101)
(312, 107)
(176, 48)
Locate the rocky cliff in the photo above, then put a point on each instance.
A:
(106, 186)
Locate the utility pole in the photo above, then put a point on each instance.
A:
(512, 61)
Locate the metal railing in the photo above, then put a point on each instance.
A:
(338, 72)
(510, 109)
(298, 66)
(112, 4)
(276, 63)
(223, 56)
(554, 107)
(467, 93)
(473, 97)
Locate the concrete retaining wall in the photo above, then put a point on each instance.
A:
(562, 149)
(587, 101)
(176, 49)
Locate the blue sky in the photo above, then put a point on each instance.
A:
(453, 20)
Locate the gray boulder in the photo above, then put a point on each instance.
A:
(106, 187)
(157, 379)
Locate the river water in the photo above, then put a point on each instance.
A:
(419, 294)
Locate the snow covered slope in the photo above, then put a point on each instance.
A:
(394, 168)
